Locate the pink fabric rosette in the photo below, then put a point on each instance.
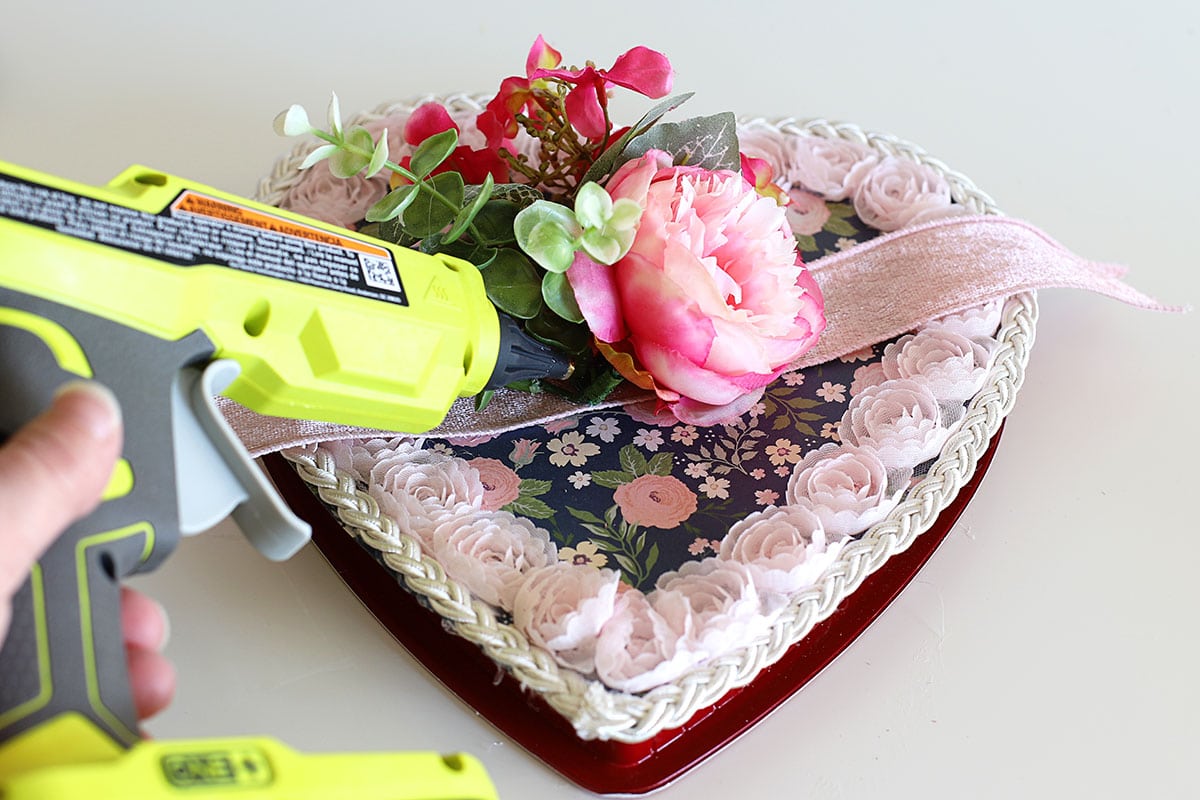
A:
(895, 193)
(978, 323)
(562, 607)
(637, 649)
(951, 365)
(711, 303)
(831, 168)
(784, 547)
(716, 604)
(899, 419)
(490, 552)
(847, 488)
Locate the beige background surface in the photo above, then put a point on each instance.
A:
(1048, 649)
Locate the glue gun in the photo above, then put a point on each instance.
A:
(170, 293)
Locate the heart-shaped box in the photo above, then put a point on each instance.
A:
(617, 488)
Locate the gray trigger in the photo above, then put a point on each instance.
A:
(215, 476)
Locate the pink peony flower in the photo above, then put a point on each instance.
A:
(489, 553)
(711, 302)
(562, 607)
(831, 168)
(896, 192)
(951, 365)
(500, 484)
(899, 419)
(716, 605)
(637, 650)
(785, 548)
(807, 213)
(659, 501)
(846, 487)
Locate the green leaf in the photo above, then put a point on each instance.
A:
(583, 515)
(428, 215)
(468, 212)
(320, 154)
(840, 226)
(840, 209)
(593, 206)
(708, 142)
(378, 157)
(613, 157)
(392, 204)
(628, 565)
(660, 464)
(560, 297)
(334, 115)
(780, 423)
(479, 255)
(432, 152)
(547, 232)
(483, 398)
(806, 242)
(632, 460)
(494, 222)
(530, 507)
(531, 487)
(354, 155)
(555, 331)
(651, 556)
(513, 285)
(612, 478)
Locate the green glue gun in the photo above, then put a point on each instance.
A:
(171, 293)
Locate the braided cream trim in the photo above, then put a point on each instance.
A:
(596, 711)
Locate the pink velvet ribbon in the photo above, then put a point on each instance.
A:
(873, 292)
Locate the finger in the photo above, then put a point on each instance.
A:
(52, 472)
(143, 621)
(152, 678)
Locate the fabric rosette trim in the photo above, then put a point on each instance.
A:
(622, 663)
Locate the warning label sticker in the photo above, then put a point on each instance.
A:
(198, 229)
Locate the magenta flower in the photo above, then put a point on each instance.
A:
(640, 69)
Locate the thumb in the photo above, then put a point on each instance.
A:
(52, 472)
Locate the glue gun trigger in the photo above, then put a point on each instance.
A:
(215, 476)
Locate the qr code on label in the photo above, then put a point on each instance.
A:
(379, 272)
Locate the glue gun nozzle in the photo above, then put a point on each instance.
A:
(523, 358)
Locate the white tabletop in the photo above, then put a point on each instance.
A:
(1049, 648)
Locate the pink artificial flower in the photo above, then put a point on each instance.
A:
(712, 302)
(899, 419)
(640, 69)
(474, 165)
(759, 174)
(659, 501)
(489, 553)
(847, 487)
(897, 192)
(806, 213)
(716, 606)
(785, 548)
(951, 365)
(562, 607)
(500, 484)
(637, 650)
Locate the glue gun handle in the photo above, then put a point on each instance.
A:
(63, 660)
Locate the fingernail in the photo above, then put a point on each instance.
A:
(166, 622)
(101, 415)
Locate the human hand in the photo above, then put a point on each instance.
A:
(52, 473)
